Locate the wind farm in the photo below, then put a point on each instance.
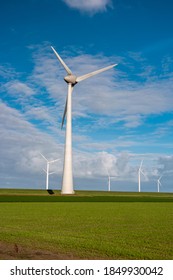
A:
(49, 225)
(117, 117)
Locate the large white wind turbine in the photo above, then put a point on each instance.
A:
(159, 184)
(140, 171)
(71, 80)
(47, 170)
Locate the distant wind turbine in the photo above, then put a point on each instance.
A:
(71, 80)
(109, 183)
(109, 180)
(140, 171)
(159, 184)
(47, 170)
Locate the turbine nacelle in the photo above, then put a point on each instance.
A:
(70, 79)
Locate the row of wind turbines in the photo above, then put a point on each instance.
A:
(140, 171)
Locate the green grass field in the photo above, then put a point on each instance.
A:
(113, 226)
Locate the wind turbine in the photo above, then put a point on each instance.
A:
(139, 176)
(47, 170)
(109, 182)
(158, 184)
(71, 80)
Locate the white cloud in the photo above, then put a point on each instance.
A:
(91, 6)
(17, 88)
(21, 143)
(7, 72)
(166, 164)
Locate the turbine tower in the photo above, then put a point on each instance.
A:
(109, 180)
(71, 80)
(47, 170)
(109, 183)
(139, 176)
(159, 184)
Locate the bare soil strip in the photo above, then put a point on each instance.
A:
(16, 252)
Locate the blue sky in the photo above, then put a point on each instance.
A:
(120, 117)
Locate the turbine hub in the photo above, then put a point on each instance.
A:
(70, 79)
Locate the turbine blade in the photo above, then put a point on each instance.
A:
(141, 164)
(86, 76)
(54, 160)
(64, 114)
(143, 173)
(70, 88)
(43, 157)
(62, 62)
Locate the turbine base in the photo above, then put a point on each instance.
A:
(67, 193)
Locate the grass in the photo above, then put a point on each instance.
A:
(110, 229)
(22, 195)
